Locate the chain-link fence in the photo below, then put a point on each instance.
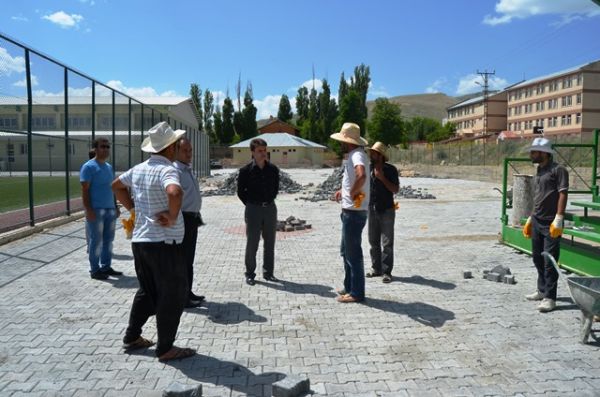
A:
(49, 116)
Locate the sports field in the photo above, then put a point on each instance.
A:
(14, 191)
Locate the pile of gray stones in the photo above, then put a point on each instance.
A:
(291, 224)
(229, 186)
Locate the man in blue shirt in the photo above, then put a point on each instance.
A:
(96, 176)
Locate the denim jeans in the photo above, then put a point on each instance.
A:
(101, 233)
(542, 241)
(353, 223)
(381, 239)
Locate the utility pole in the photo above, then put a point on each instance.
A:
(485, 75)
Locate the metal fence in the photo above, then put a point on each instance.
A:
(49, 115)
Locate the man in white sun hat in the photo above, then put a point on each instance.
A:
(545, 225)
(354, 195)
(156, 243)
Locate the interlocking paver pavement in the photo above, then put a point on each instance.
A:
(430, 332)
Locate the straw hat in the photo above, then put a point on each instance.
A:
(381, 149)
(350, 133)
(160, 136)
(541, 145)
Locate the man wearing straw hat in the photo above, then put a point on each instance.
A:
(545, 225)
(156, 243)
(382, 213)
(354, 195)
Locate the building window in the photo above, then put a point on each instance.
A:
(567, 82)
(579, 79)
(23, 147)
(71, 148)
(43, 122)
(8, 121)
(553, 86)
(567, 100)
(563, 120)
(80, 123)
(568, 119)
(578, 99)
(552, 103)
(578, 118)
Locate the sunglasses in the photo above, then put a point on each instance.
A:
(104, 146)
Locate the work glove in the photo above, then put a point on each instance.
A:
(557, 226)
(396, 205)
(128, 224)
(359, 199)
(527, 228)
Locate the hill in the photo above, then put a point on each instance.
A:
(425, 105)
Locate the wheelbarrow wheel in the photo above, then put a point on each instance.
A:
(586, 327)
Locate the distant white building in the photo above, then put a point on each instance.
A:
(283, 149)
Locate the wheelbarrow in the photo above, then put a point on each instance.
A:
(585, 292)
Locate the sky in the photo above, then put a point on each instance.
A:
(159, 47)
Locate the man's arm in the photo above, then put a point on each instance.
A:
(361, 177)
(121, 192)
(562, 202)
(242, 184)
(379, 174)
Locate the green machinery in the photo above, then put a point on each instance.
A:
(580, 245)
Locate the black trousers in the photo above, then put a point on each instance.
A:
(191, 222)
(163, 291)
(540, 242)
(260, 220)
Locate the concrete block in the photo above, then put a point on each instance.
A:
(308, 226)
(291, 386)
(509, 279)
(177, 389)
(298, 227)
(467, 274)
(289, 228)
(485, 273)
(491, 276)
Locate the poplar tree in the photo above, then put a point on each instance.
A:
(285, 109)
(228, 131)
(196, 94)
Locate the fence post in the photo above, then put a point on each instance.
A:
(93, 110)
(29, 137)
(114, 134)
(67, 154)
(129, 137)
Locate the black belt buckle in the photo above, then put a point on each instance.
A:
(264, 204)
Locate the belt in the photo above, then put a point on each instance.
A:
(261, 204)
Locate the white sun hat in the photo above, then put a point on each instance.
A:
(350, 133)
(160, 136)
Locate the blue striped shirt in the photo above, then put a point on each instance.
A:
(148, 183)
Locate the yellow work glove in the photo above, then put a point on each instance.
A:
(396, 205)
(359, 199)
(128, 224)
(557, 226)
(527, 228)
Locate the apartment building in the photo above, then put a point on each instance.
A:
(468, 116)
(566, 102)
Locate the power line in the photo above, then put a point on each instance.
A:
(485, 75)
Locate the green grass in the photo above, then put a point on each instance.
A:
(14, 191)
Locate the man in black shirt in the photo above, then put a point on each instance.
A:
(382, 213)
(546, 223)
(258, 185)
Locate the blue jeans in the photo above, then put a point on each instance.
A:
(353, 223)
(102, 234)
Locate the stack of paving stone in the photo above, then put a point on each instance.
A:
(418, 193)
(327, 189)
(500, 274)
(291, 224)
(229, 186)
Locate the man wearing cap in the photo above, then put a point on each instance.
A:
(382, 213)
(354, 195)
(190, 209)
(545, 225)
(156, 243)
(257, 187)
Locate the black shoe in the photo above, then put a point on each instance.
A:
(99, 275)
(373, 274)
(270, 277)
(112, 272)
(387, 278)
(190, 304)
(194, 297)
(250, 281)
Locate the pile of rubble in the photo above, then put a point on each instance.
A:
(229, 186)
(291, 224)
(327, 189)
(418, 193)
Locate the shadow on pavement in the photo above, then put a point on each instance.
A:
(210, 370)
(425, 281)
(297, 288)
(121, 257)
(423, 313)
(123, 281)
(228, 313)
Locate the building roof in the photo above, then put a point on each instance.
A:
(87, 100)
(265, 122)
(280, 139)
(551, 76)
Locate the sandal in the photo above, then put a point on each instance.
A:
(177, 353)
(139, 343)
(347, 299)
(341, 291)
(373, 274)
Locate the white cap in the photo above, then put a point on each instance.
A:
(541, 145)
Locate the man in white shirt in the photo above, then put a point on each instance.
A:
(156, 243)
(355, 203)
(190, 209)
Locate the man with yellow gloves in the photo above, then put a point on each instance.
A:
(545, 225)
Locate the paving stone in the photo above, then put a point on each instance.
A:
(291, 386)
(177, 389)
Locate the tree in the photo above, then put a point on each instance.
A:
(209, 108)
(360, 83)
(249, 114)
(430, 130)
(350, 110)
(386, 123)
(309, 127)
(238, 124)
(218, 119)
(343, 90)
(301, 106)
(327, 113)
(285, 109)
(228, 131)
(196, 94)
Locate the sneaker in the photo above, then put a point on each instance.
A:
(536, 296)
(386, 278)
(99, 275)
(547, 305)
